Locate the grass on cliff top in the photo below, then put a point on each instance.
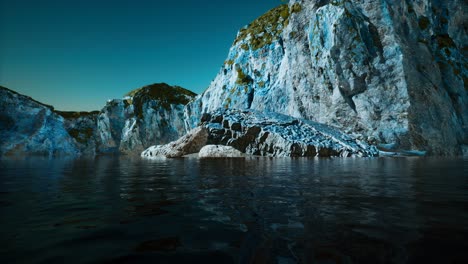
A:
(163, 92)
(166, 95)
(271, 24)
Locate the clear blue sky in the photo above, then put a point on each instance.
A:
(77, 54)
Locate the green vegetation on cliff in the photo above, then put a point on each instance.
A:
(267, 28)
(165, 94)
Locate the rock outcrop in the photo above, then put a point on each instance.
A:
(275, 135)
(388, 72)
(264, 134)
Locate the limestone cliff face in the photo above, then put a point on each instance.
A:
(151, 115)
(388, 72)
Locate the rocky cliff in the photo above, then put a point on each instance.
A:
(385, 72)
(389, 72)
(150, 115)
(28, 126)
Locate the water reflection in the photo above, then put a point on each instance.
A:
(241, 210)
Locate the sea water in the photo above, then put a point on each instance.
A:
(248, 210)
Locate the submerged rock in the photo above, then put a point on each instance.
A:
(219, 151)
(389, 73)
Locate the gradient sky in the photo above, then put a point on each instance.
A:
(77, 54)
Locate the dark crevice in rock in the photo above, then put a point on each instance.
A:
(377, 43)
(348, 99)
(281, 43)
(250, 97)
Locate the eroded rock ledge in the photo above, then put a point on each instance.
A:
(266, 134)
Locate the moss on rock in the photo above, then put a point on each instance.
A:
(267, 28)
(242, 78)
(296, 8)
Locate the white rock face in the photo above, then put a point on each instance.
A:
(191, 143)
(219, 151)
(387, 73)
(153, 115)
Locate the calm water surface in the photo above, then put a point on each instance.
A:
(259, 210)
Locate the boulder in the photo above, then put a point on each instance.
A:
(193, 142)
(219, 151)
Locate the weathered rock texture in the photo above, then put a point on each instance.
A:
(276, 135)
(389, 72)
